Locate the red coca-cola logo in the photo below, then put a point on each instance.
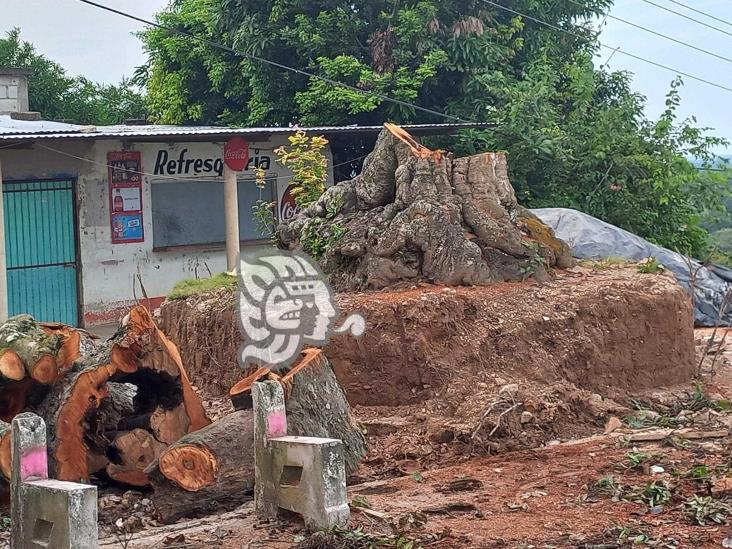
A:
(288, 208)
(236, 154)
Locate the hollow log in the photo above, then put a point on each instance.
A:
(86, 407)
(6, 459)
(131, 452)
(208, 470)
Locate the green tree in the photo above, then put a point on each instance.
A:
(576, 134)
(58, 96)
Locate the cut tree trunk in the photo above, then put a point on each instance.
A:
(34, 347)
(132, 376)
(205, 471)
(213, 469)
(415, 214)
(131, 452)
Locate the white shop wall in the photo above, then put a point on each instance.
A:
(108, 269)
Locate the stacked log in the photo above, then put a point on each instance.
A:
(110, 409)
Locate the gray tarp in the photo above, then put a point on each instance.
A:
(591, 238)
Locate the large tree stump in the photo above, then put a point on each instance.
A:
(417, 214)
(209, 470)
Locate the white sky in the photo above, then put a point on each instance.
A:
(102, 46)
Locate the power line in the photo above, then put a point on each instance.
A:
(659, 6)
(623, 52)
(665, 36)
(173, 177)
(705, 14)
(228, 49)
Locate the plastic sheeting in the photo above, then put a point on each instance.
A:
(591, 238)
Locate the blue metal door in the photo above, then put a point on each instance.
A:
(40, 246)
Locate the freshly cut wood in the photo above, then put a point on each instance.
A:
(11, 367)
(169, 425)
(241, 393)
(70, 350)
(45, 370)
(207, 470)
(132, 452)
(6, 460)
(35, 347)
(87, 407)
(213, 469)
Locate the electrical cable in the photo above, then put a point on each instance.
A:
(259, 59)
(705, 14)
(659, 6)
(664, 36)
(620, 51)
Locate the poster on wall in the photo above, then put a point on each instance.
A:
(125, 196)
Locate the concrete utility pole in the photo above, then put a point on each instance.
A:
(231, 217)
(3, 270)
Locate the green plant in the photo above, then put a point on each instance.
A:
(264, 217)
(699, 473)
(318, 236)
(187, 288)
(654, 493)
(636, 460)
(650, 266)
(305, 158)
(358, 538)
(5, 523)
(606, 486)
(360, 501)
(704, 510)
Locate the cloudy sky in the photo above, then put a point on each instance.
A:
(102, 46)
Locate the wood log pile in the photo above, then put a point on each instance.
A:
(110, 408)
(124, 412)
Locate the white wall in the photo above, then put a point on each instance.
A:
(108, 269)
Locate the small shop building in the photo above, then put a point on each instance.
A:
(95, 214)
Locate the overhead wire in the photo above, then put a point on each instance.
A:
(266, 61)
(664, 36)
(606, 46)
(705, 14)
(665, 8)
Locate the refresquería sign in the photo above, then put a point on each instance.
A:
(188, 164)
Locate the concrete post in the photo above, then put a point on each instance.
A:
(46, 513)
(29, 462)
(231, 218)
(3, 263)
(270, 421)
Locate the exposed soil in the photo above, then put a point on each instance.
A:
(473, 399)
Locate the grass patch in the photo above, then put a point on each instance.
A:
(187, 288)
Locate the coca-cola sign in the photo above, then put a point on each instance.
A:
(288, 208)
(236, 154)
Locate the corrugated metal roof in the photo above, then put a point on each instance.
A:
(11, 129)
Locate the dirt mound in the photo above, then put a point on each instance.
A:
(599, 330)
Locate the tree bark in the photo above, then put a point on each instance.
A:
(415, 214)
(208, 470)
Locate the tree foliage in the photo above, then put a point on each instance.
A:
(575, 132)
(58, 96)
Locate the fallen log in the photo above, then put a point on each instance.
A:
(130, 376)
(213, 468)
(35, 348)
(205, 471)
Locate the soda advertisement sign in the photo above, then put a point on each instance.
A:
(236, 154)
(125, 197)
(288, 208)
